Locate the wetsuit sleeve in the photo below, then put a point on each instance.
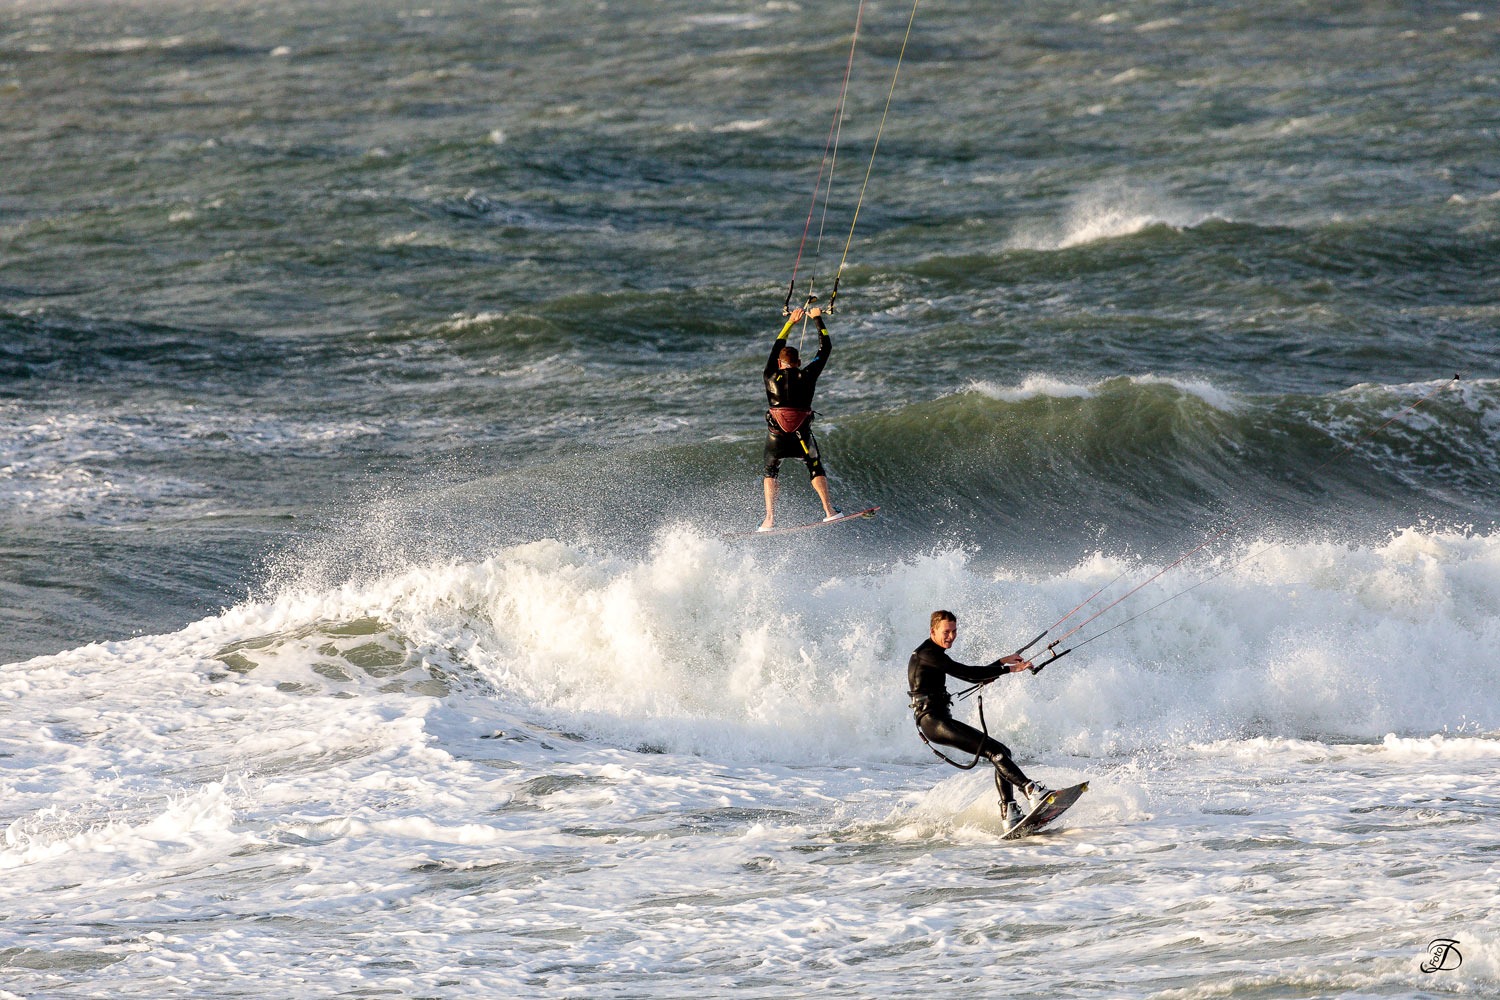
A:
(825, 348)
(776, 348)
(973, 675)
(933, 657)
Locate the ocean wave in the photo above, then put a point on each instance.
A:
(704, 647)
(1109, 211)
(1034, 386)
(745, 125)
(103, 464)
(1039, 470)
(1145, 456)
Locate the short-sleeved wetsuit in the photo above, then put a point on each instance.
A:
(927, 675)
(790, 390)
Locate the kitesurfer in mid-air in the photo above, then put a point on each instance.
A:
(789, 393)
(927, 681)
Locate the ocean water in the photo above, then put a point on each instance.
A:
(377, 382)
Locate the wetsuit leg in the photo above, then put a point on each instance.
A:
(810, 455)
(942, 729)
(772, 457)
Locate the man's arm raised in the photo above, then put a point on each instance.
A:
(825, 345)
(772, 361)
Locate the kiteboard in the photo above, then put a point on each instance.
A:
(1046, 811)
(867, 512)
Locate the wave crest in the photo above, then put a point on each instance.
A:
(1108, 212)
(732, 652)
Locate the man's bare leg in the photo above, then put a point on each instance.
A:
(820, 484)
(770, 521)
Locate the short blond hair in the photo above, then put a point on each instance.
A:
(941, 616)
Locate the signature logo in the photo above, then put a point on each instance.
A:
(1442, 956)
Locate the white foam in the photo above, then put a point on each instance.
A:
(695, 647)
(1032, 387)
(1204, 390)
(1039, 386)
(194, 821)
(744, 125)
(132, 44)
(466, 321)
(280, 824)
(1108, 211)
(1411, 410)
(1439, 746)
(76, 461)
(740, 22)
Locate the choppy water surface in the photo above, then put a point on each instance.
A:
(376, 382)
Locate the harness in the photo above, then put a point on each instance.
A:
(921, 707)
(788, 419)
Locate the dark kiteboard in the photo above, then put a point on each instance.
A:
(867, 512)
(1046, 811)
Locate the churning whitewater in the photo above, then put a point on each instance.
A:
(446, 759)
(377, 385)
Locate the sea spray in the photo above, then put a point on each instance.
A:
(715, 648)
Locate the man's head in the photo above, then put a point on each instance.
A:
(789, 358)
(944, 628)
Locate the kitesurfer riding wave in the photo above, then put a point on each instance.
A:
(927, 675)
(789, 393)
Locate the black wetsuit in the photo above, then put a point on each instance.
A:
(793, 388)
(927, 681)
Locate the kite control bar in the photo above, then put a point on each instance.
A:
(1053, 657)
(1036, 668)
(786, 307)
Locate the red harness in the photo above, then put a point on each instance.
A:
(789, 418)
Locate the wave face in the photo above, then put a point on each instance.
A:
(1029, 474)
(1137, 458)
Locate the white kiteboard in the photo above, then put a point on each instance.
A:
(867, 512)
